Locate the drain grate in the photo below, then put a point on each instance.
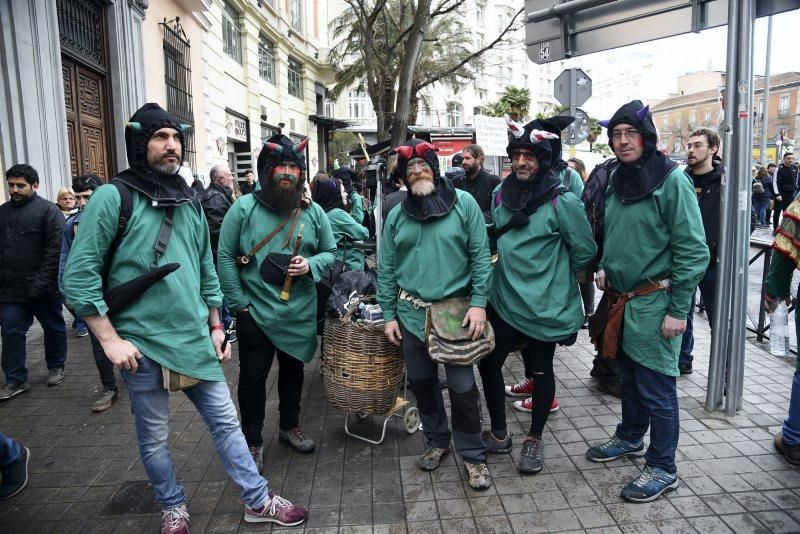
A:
(135, 497)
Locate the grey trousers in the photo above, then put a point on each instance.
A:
(464, 401)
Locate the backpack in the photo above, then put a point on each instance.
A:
(594, 200)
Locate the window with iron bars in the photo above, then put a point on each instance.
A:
(231, 34)
(295, 78)
(266, 60)
(178, 82)
(297, 15)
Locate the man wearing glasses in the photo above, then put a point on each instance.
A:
(435, 247)
(654, 255)
(706, 170)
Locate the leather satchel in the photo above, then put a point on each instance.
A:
(447, 341)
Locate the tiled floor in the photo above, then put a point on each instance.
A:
(85, 466)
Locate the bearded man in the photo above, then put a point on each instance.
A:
(435, 247)
(476, 180)
(269, 325)
(172, 328)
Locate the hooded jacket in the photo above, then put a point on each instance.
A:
(276, 150)
(216, 203)
(443, 198)
(709, 190)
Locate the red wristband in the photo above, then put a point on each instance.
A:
(218, 326)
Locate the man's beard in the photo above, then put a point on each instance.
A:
(167, 168)
(472, 172)
(422, 187)
(284, 198)
(698, 162)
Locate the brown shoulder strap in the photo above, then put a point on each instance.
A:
(244, 260)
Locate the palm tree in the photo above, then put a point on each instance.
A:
(594, 132)
(518, 100)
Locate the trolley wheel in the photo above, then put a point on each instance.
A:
(411, 420)
(361, 416)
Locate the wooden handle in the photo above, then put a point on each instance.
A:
(286, 292)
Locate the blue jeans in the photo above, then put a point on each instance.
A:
(150, 407)
(708, 290)
(649, 399)
(760, 205)
(791, 426)
(10, 451)
(15, 320)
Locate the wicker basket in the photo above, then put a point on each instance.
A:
(362, 371)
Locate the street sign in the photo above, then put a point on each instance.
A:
(578, 131)
(563, 87)
(555, 32)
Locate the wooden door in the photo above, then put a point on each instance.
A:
(85, 99)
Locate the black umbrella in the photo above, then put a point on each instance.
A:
(122, 296)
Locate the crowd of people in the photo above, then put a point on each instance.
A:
(253, 263)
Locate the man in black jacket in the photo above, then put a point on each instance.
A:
(784, 183)
(216, 203)
(477, 182)
(706, 171)
(31, 229)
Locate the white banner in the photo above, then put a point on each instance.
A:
(491, 133)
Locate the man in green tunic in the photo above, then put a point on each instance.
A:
(269, 324)
(654, 244)
(174, 326)
(543, 239)
(435, 247)
(352, 186)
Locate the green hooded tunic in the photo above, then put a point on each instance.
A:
(357, 211)
(433, 260)
(658, 237)
(345, 230)
(168, 323)
(290, 325)
(572, 181)
(534, 288)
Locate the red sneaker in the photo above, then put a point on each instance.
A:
(526, 405)
(523, 389)
(276, 510)
(175, 520)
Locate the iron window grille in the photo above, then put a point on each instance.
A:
(266, 61)
(231, 34)
(297, 15)
(295, 78)
(178, 82)
(81, 30)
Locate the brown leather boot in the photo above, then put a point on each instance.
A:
(790, 452)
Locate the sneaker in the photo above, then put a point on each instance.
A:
(685, 368)
(276, 510)
(531, 459)
(479, 476)
(15, 476)
(431, 458)
(496, 445)
(175, 520)
(296, 439)
(790, 452)
(12, 389)
(81, 332)
(650, 485)
(523, 389)
(55, 376)
(257, 452)
(105, 400)
(615, 448)
(232, 337)
(526, 405)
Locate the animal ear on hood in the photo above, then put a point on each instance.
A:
(516, 129)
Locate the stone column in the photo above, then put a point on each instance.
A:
(32, 114)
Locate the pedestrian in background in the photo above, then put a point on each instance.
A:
(578, 166)
(31, 230)
(762, 194)
(784, 186)
(585, 276)
(14, 460)
(66, 201)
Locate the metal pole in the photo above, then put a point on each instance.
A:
(720, 334)
(765, 95)
(565, 8)
(743, 138)
(573, 84)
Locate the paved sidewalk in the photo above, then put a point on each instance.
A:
(86, 476)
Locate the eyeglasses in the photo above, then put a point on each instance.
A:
(417, 166)
(630, 133)
(696, 146)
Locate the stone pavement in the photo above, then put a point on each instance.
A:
(86, 476)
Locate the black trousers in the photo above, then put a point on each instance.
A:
(780, 207)
(104, 365)
(256, 354)
(538, 358)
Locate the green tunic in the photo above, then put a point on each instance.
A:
(433, 260)
(290, 325)
(168, 323)
(357, 211)
(572, 181)
(345, 230)
(658, 237)
(534, 288)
